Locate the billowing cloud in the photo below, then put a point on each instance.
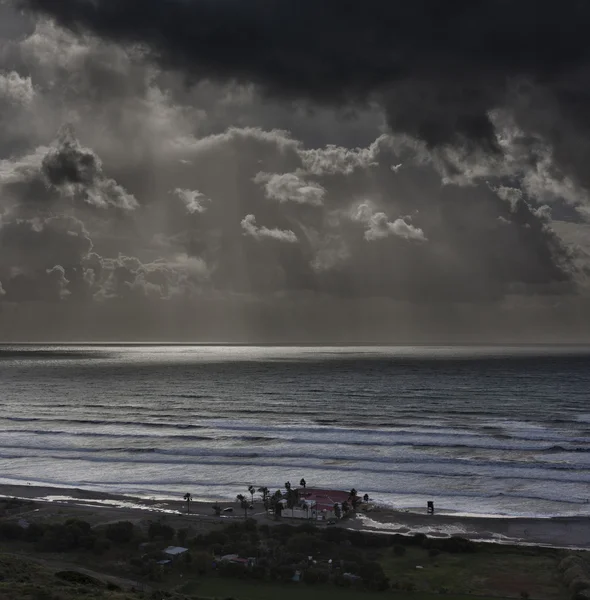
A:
(194, 201)
(438, 87)
(16, 90)
(393, 187)
(290, 187)
(77, 171)
(379, 226)
(281, 235)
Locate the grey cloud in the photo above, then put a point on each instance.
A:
(290, 187)
(162, 271)
(16, 90)
(379, 225)
(261, 232)
(438, 69)
(193, 200)
(78, 171)
(37, 255)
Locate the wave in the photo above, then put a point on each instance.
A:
(408, 490)
(104, 422)
(435, 467)
(441, 441)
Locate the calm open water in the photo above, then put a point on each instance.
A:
(477, 430)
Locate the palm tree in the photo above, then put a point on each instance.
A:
(243, 503)
(303, 483)
(275, 502)
(252, 491)
(188, 499)
(265, 493)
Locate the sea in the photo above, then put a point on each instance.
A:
(501, 431)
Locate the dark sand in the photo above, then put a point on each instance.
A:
(565, 532)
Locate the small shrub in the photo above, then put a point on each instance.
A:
(399, 550)
(159, 530)
(120, 533)
(34, 532)
(101, 545)
(181, 536)
(79, 578)
(11, 531)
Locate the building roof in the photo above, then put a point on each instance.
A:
(175, 550)
(324, 499)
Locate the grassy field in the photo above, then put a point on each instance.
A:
(26, 580)
(224, 588)
(494, 572)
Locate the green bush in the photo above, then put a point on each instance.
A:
(313, 576)
(72, 535)
(79, 578)
(11, 531)
(215, 537)
(282, 573)
(399, 550)
(456, 544)
(419, 539)
(159, 530)
(181, 536)
(258, 572)
(120, 533)
(101, 545)
(201, 562)
(236, 571)
(34, 532)
(306, 543)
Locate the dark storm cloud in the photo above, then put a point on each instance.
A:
(256, 218)
(64, 171)
(437, 67)
(78, 171)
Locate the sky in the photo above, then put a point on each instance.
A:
(319, 171)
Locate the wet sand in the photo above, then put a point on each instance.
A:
(564, 532)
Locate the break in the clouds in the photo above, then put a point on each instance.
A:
(247, 171)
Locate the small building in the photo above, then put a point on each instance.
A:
(236, 560)
(228, 558)
(174, 551)
(317, 504)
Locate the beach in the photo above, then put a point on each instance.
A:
(99, 507)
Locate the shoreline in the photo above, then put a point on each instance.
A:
(558, 532)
